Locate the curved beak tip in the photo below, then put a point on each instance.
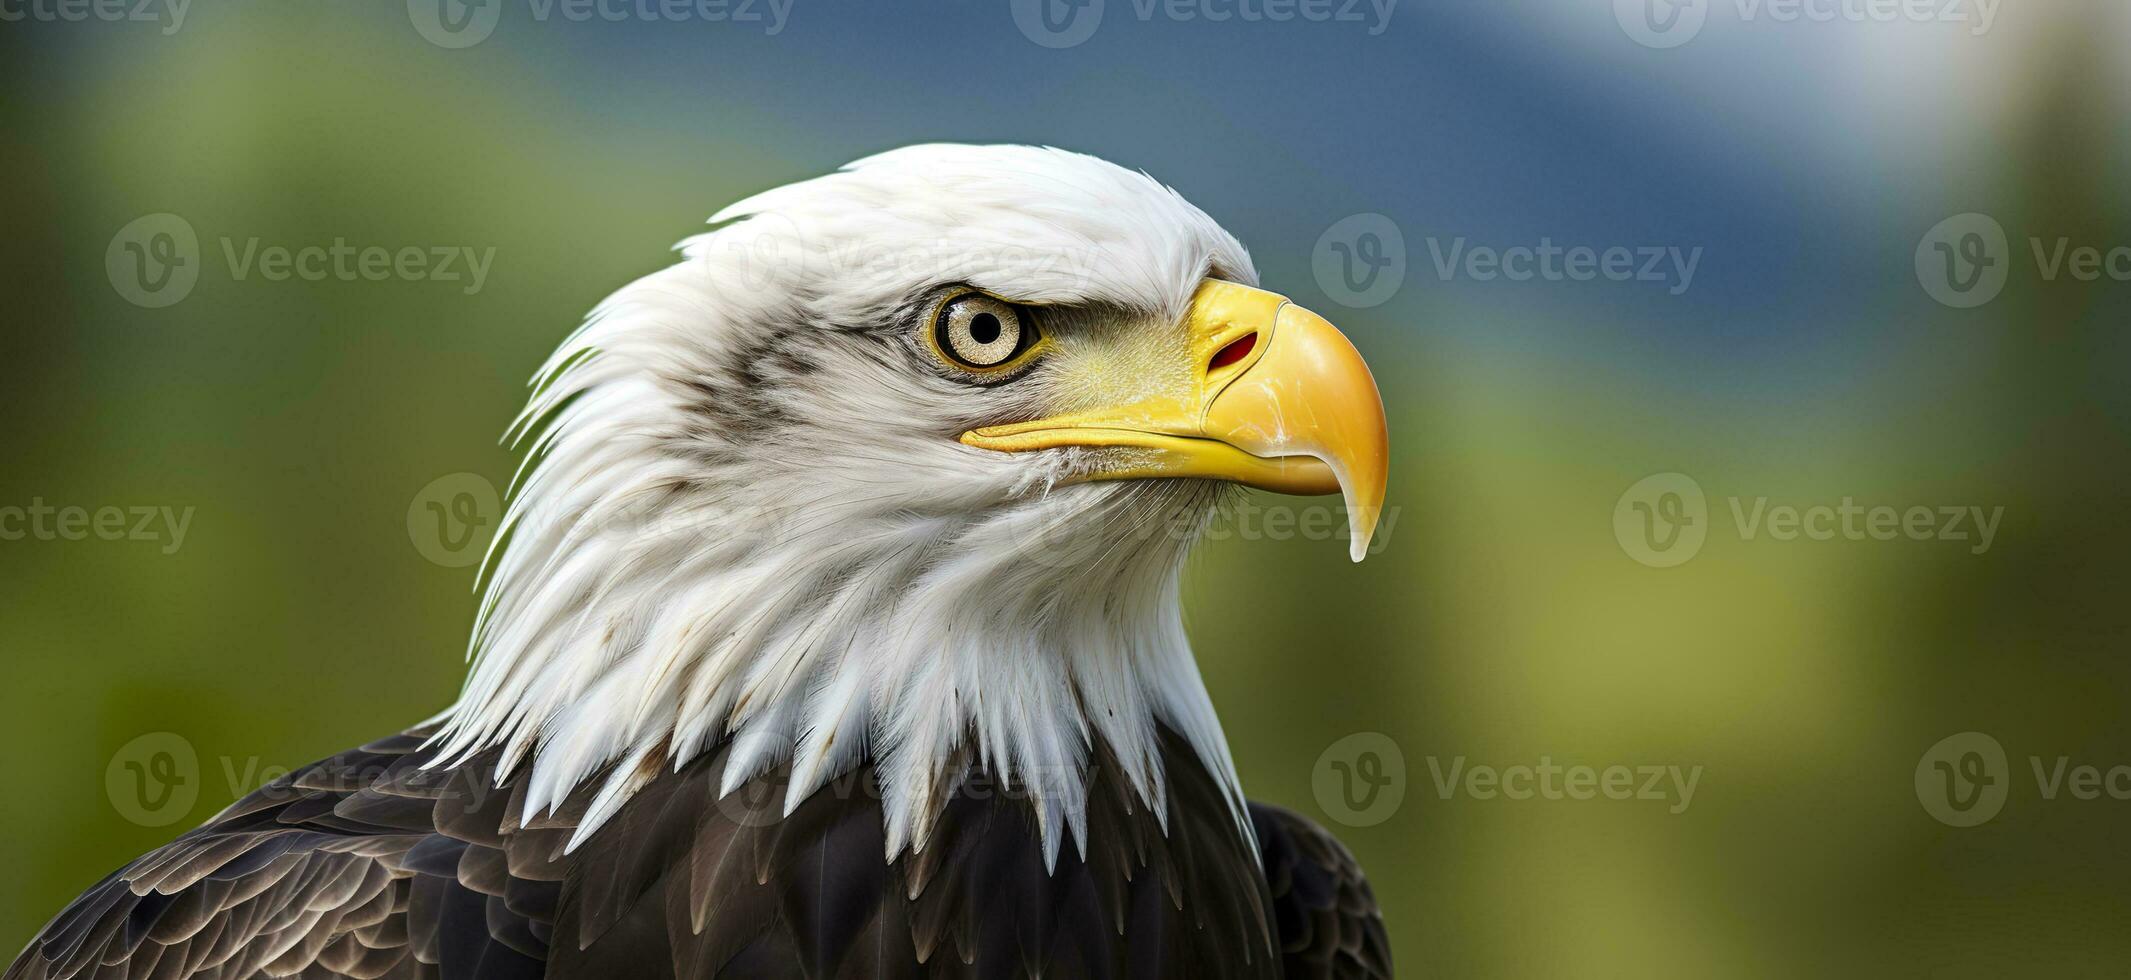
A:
(1364, 500)
(1320, 371)
(1364, 529)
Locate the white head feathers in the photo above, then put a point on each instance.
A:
(745, 514)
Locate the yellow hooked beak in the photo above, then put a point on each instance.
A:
(1279, 400)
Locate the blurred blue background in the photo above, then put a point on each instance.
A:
(1525, 605)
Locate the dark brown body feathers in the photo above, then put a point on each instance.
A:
(368, 865)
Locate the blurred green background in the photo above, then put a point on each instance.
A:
(1502, 621)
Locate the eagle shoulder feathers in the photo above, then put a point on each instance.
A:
(372, 865)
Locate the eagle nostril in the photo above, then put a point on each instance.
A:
(1237, 350)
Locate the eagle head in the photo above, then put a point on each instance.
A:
(899, 465)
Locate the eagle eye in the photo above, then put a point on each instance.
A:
(979, 332)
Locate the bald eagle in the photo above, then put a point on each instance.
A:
(833, 628)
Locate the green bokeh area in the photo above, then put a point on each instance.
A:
(1502, 621)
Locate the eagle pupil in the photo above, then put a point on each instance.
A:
(984, 329)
